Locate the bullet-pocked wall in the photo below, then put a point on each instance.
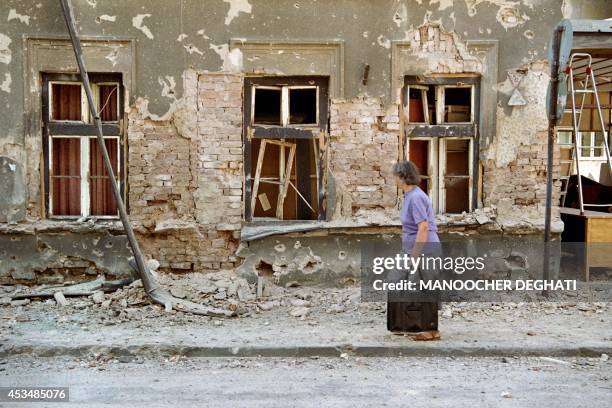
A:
(183, 65)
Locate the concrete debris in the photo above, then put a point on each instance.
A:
(299, 303)
(153, 264)
(301, 312)
(98, 297)
(60, 299)
(506, 394)
(20, 302)
(604, 357)
(337, 308)
(178, 292)
(555, 360)
(268, 305)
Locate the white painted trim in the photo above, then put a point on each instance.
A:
(441, 176)
(285, 106)
(84, 176)
(433, 158)
(50, 150)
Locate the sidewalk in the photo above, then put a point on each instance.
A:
(44, 329)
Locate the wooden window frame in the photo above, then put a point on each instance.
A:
(438, 133)
(84, 130)
(442, 171)
(313, 133)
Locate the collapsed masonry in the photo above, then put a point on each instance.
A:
(190, 182)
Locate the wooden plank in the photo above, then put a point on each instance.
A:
(278, 132)
(262, 150)
(285, 186)
(599, 230)
(302, 173)
(444, 130)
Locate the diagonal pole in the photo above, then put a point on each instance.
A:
(151, 286)
(147, 280)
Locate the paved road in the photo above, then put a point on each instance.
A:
(103, 381)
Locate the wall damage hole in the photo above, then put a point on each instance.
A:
(65, 101)
(303, 106)
(267, 109)
(457, 104)
(264, 269)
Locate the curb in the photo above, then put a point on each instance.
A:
(415, 350)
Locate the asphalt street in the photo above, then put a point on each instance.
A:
(104, 381)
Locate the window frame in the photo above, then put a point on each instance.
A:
(312, 134)
(438, 133)
(84, 130)
(442, 163)
(591, 146)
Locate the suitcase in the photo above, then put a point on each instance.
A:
(412, 316)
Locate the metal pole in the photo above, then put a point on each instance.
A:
(148, 282)
(552, 120)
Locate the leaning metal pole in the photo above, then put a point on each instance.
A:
(147, 280)
(552, 120)
(150, 284)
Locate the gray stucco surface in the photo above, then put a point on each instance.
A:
(174, 35)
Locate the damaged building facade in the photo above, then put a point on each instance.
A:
(261, 135)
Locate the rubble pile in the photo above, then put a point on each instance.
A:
(228, 291)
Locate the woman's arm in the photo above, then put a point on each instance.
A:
(421, 238)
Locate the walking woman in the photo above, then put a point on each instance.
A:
(419, 236)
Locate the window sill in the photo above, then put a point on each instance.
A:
(50, 225)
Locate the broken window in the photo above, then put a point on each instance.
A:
(419, 152)
(441, 135)
(456, 164)
(278, 191)
(284, 124)
(457, 103)
(303, 105)
(76, 181)
(433, 104)
(285, 105)
(267, 106)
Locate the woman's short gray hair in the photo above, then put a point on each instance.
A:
(407, 172)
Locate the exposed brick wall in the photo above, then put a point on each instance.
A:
(160, 177)
(185, 176)
(219, 152)
(363, 146)
(522, 181)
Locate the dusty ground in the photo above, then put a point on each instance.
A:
(337, 382)
(293, 322)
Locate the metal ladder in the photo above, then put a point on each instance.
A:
(589, 87)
